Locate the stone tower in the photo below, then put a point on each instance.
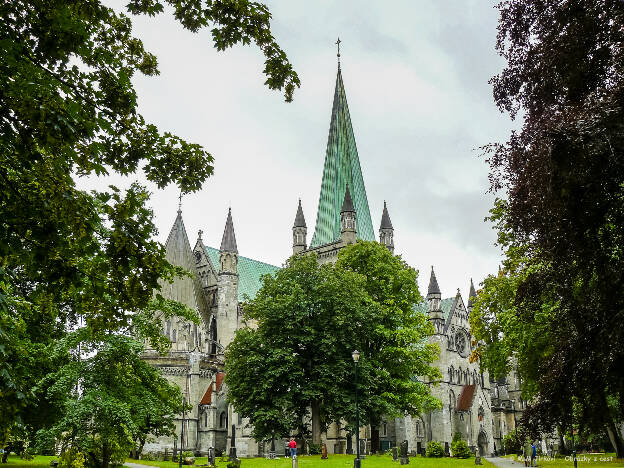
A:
(386, 231)
(434, 300)
(348, 228)
(300, 231)
(227, 285)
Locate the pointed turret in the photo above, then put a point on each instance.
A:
(228, 252)
(342, 168)
(386, 231)
(434, 298)
(227, 285)
(348, 220)
(228, 242)
(471, 296)
(300, 231)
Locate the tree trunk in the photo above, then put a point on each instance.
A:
(616, 439)
(316, 422)
(375, 439)
(105, 455)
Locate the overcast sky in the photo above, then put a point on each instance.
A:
(416, 77)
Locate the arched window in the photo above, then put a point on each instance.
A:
(223, 420)
(174, 337)
(206, 419)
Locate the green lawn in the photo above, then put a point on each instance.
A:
(333, 461)
(40, 461)
(584, 460)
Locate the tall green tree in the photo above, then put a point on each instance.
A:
(112, 400)
(297, 349)
(396, 361)
(68, 109)
(564, 178)
(306, 322)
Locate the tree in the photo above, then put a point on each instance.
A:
(564, 217)
(396, 362)
(307, 321)
(298, 354)
(68, 109)
(113, 400)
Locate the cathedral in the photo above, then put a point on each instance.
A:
(482, 410)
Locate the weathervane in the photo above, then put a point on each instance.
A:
(338, 44)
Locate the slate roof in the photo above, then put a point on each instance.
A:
(347, 204)
(228, 242)
(299, 219)
(385, 219)
(433, 284)
(342, 168)
(249, 272)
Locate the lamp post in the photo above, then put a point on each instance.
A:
(182, 434)
(357, 462)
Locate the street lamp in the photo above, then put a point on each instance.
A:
(357, 462)
(182, 433)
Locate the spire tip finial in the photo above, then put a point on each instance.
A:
(180, 202)
(338, 55)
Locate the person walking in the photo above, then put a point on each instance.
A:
(293, 447)
(526, 452)
(533, 454)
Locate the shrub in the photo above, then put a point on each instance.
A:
(314, 449)
(187, 454)
(71, 458)
(459, 447)
(148, 456)
(234, 463)
(512, 442)
(435, 449)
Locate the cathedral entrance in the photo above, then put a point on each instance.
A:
(482, 442)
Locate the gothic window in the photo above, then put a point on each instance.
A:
(206, 419)
(168, 328)
(223, 420)
(174, 337)
(460, 343)
(385, 429)
(240, 420)
(450, 372)
(417, 428)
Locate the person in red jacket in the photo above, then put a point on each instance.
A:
(293, 448)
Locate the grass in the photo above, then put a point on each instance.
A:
(333, 461)
(584, 460)
(313, 461)
(40, 461)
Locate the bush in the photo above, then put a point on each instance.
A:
(314, 449)
(187, 454)
(512, 443)
(71, 458)
(149, 456)
(234, 463)
(459, 447)
(435, 449)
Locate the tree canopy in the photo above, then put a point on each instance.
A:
(68, 109)
(557, 302)
(305, 323)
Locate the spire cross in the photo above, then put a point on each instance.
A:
(199, 234)
(180, 201)
(338, 44)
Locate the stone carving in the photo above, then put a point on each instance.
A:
(395, 454)
(324, 452)
(175, 370)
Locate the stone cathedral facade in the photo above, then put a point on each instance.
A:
(483, 411)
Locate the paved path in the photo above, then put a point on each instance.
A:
(506, 462)
(138, 465)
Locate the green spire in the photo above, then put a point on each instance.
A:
(342, 168)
